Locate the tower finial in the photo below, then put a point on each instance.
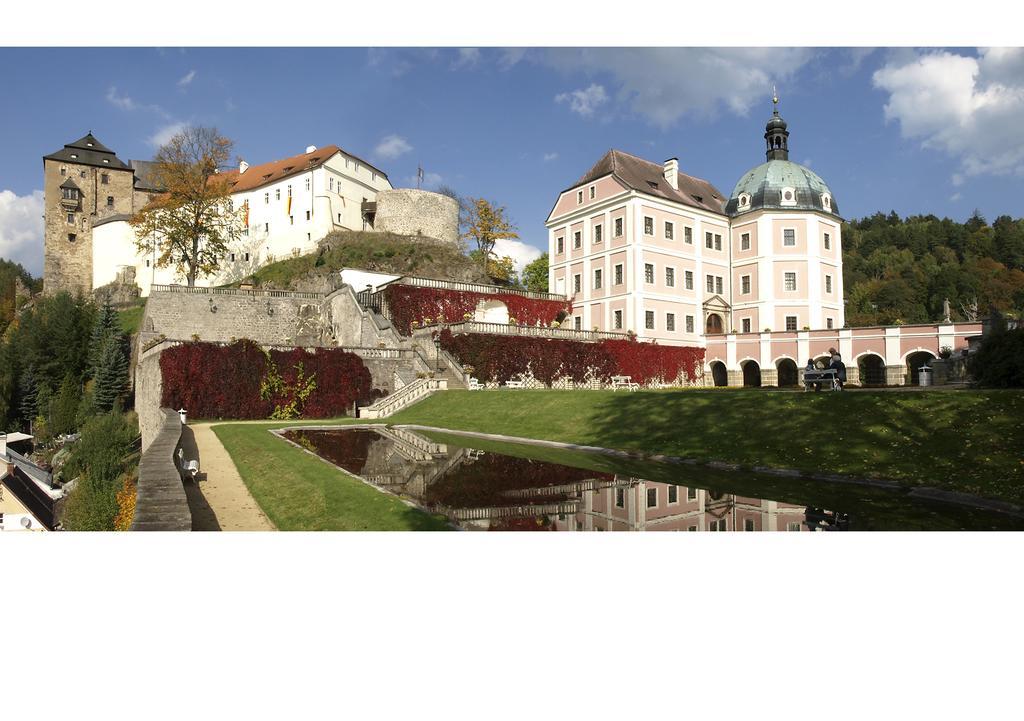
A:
(775, 98)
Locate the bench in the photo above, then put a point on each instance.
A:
(624, 382)
(829, 377)
(514, 384)
(475, 385)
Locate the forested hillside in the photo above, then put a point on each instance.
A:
(900, 270)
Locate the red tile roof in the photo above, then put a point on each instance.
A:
(257, 176)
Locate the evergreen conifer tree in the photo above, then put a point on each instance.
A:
(64, 407)
(28, 392)
(106, 326)
(111, 376)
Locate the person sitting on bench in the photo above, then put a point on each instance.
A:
(812, 368)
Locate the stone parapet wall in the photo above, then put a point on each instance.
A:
(406, 211)
(161, 504)
(289, 319)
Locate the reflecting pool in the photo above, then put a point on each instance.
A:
(485, 485)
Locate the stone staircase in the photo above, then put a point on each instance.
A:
(403, 397)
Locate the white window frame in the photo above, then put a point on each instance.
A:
(579, 197)
(597, 234)
(649, 320)
(785, 281)
(593, 192)
(718, 241)
(577, 322)
(719, 285)
(749, 521)
(598, 278)
(796, 323)
(744, 285)
(620, 493)
(648, 219)
(618, 276)
(691, 493)
(670, 322)
(745, 325)
(709, 240)
(670, 230)
(577, 283)
(829, 323)
(828, 283)
(647, 497)
(577, 239)
(792, 198)
(710, 285)
(784, 243)
(649, 276)
(668, 495)
(670, 276)
(617, 319)
(559, 245)
(688, 279)
(618, 225)
(745, 241)
(688, 234)
(689, 324)
(828, 241)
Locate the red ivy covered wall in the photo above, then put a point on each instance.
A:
(499, 358)
(409, 303)
(225, 381)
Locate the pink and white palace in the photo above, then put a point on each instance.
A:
(756, 278)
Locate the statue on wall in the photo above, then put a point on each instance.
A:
(945, 310)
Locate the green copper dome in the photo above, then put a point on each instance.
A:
(766, 184)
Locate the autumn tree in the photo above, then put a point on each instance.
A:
(191, 224)
(486, 224)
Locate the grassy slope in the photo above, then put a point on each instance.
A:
(299, 492)
(966, 441)
(130, 318)
(372, 251)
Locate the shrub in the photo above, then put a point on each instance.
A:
(412, 305)
(98, 460)
(999, 363)
(240, 380)
(499, 358)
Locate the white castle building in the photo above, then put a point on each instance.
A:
(90, 195)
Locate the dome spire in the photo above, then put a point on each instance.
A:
(775, 132)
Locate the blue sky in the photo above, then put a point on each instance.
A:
(910, 130)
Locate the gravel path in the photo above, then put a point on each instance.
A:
(220, 500)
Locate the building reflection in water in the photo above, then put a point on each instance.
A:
(490, 491)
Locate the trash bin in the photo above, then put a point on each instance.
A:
(182, 414)
(924, 376)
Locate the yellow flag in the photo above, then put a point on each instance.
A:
(289, 205)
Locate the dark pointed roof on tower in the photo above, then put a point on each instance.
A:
(87, 150)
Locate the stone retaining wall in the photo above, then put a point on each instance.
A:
(161, 504)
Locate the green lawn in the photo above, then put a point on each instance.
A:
(299, 492)
(130, 318)
(968, 441)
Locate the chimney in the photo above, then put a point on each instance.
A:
(672, 172)
(242, 166)
(310, 148)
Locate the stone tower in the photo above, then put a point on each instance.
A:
(82, 183)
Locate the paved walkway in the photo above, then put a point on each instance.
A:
(220, 501)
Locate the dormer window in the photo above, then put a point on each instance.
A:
(593, 191)
(105, 160)
(579, 197)
(744, 200)
(89, 144)
(74, 156)
(788, 196)
(826, 201)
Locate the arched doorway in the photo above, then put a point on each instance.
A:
(714, 324)
(719, 374)
(915, 361)
(491, 311)
(787, 371)
(751, 374)
(871, 369)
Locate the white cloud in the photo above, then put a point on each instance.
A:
(521, 253)
(187, 79)
(664, 84)
(955, 197)
(392, 146)
(164, 134)
(120, 101)
(584, 101)
(467, 58)
(21, 229)
(964, 106)
(548, 157)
